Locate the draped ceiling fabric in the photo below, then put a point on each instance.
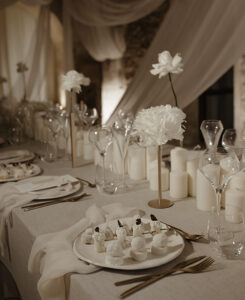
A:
(210, 36)
(99, 24)
(25, 37)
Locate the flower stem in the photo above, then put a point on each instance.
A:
(175, 97)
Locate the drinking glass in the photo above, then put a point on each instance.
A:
(219, 167)
(101, 137)
(235, 140)
(211, 131)
(226, 234)
(121, 136)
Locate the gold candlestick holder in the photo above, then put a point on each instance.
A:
(160, 203)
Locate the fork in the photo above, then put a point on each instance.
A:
(40, 205)
(90, 184)
(186, 235)
(194, 269)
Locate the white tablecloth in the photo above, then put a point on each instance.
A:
(224, 281)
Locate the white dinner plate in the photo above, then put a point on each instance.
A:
(16, 156)
(87, 253)
(51, 192)
(36, 170)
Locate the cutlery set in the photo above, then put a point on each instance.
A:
(193, 265)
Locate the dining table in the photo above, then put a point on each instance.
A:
(223, 280)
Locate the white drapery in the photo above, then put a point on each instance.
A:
(25, 37)
(99, 24)
(210, 36)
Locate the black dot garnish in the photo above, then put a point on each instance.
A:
(119, 223)
(138, 221)
(97, 229)
(153, 218)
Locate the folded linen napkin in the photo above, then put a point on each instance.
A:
(52, 254)
(10, 198)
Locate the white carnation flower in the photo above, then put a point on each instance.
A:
(73, 81)
(157, 125)
(167, 64)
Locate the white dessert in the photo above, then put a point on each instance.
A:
(114, 253)
(108, 234)
(138, 228)
(138, 251)
(4, 174)
(99, 240)
(156, 226)
(87, 236)
(159, 244)
(18, 172)
(121, 234)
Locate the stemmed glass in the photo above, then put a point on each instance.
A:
(235, 140)
(211, 131)
(121, 134)
(219, 167)
(101, 137)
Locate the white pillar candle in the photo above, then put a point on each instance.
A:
(234, 205)
(178, 158)
(88, 148)
(191, 169)
(151, 155)
(178, 184)
(238, 181)
(136, 162)
(205, 194)
(153, 177)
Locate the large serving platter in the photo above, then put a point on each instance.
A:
(87, 253)
(16, 156)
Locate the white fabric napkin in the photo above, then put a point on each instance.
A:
(10, 198)
(52, 255)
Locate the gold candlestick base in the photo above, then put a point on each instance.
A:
(162, 203)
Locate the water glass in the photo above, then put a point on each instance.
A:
(227, 234)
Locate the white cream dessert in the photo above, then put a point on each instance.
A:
(99, 240)
(108, 234)
(156, 225)
(87, 236)
(121, 234)
(138, 228)
(18, 172)
(114, 253)
(138, 251)
(4, 173)
(159, 244)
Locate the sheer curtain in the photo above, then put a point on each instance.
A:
(25, 36)
(99, 24)
(210, 36)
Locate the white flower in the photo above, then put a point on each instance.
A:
(167, 64)
(73, 81)
(157, 125)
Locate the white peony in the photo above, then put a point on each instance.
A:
(167, 64)
(73, 80)
(160, 124)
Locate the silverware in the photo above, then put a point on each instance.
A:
(186, 235)
(54, 187)
(90, 184)
(194, 269)
(52, 202)
(168, 271)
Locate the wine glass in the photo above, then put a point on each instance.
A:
(101, 137)
(211, 131)
(233, 139)
(121, 135)
(219, 167)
